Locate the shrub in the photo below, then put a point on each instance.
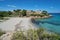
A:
(1, 32)
(33, 34)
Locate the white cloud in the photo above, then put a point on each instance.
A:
(11, 6)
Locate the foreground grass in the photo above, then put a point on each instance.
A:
(32, 34)
(1, 32)
(3, 19)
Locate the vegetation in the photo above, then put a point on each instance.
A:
(20, 12)
(16, 12)
(13, 13)
(42, 14)
(32, 34)
(1, 32)
(45, 13)
(5, 13)
(24, 12)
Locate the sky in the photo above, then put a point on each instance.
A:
(52, 6)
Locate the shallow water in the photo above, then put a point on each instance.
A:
(51, 24)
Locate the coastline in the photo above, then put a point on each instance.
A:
(9, 25)
(15, 21)
(16, 25)
(25, 24)
(42, 17)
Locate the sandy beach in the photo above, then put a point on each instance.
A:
(16, 23)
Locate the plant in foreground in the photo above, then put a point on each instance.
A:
(32, 34)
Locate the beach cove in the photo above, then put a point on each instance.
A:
(12, 23)
(15, 24)
(51, 24)
(20, 23)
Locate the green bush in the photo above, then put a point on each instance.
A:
(1, 32)
(33, 34)
(5, 13)
(23, 12)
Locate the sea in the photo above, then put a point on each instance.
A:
(51, 24)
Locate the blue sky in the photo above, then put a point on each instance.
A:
(49, 5)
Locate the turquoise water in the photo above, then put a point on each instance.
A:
(52, 24)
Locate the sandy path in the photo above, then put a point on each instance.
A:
(25, 24)
(14, 24)
(9, 25)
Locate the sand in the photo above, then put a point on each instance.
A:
(15, 23)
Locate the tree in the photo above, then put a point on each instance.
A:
(4, 14)
(9, 12)
(17, 12)
(24, 12)
(45, 12)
